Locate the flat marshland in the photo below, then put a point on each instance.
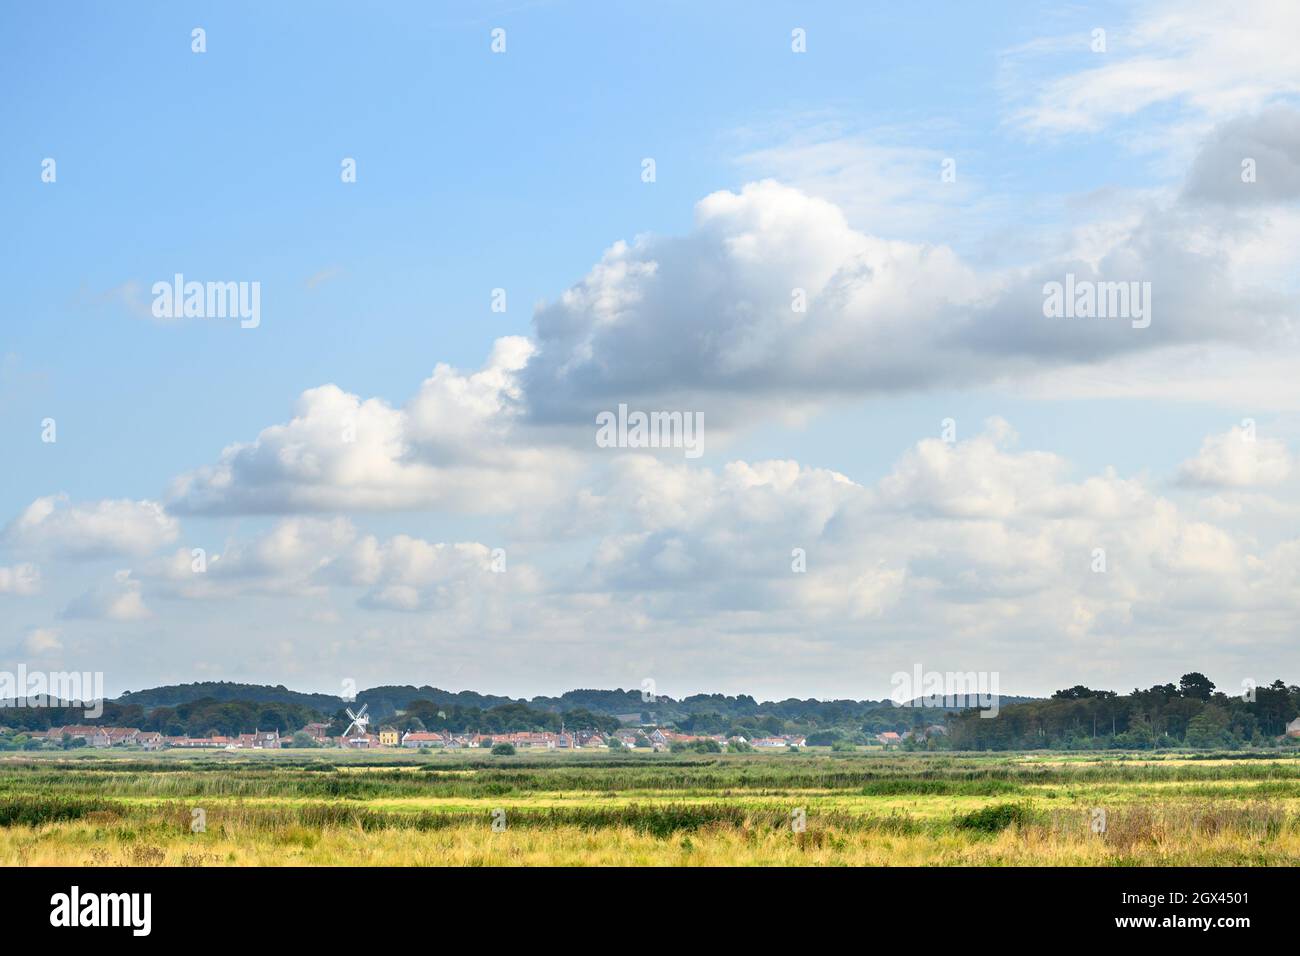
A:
(406, 809)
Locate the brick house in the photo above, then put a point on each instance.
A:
(113, 736)
(260, 740)
(318, 732)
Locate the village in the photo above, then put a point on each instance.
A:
(317, 735)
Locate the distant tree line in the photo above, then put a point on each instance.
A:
(430, 716)
(197, 719)
(1189, 714)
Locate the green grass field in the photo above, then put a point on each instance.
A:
(393, 808)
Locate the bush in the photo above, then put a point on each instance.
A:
(33, 811)
(503, 750)
(997, 817)
(695, 746)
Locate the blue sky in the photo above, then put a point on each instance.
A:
(519, 170)
(226, 163)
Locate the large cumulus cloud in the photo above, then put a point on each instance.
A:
(451, 445)
(711, 321)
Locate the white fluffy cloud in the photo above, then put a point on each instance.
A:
(119, 601)
(1264, 145)
(715, 313)
(410, 574)
(711, 321)
(308, 557)
(452, 445)
(53, 525)
(292, 557)
(972, 540)
(1237, 459)
(20, 579)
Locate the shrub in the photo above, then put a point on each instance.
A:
(997, 817)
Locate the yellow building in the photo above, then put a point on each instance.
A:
(388, 737)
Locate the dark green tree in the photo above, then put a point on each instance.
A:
(1195, 685)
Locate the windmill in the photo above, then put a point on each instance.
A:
(359, 720)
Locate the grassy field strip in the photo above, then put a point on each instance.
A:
(920, 807)
(624, 847)
(865, 809)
